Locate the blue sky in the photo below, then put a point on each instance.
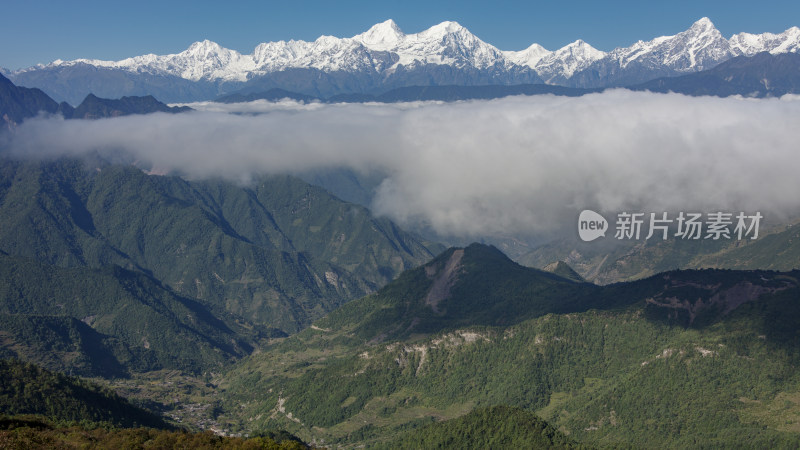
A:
(36, 31)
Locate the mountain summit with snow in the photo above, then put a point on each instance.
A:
(383, 36)
(384, 57)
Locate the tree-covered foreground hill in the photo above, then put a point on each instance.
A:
(482, 428)
(40, 409)
(26, 389)
(681, 359)
(43, 409)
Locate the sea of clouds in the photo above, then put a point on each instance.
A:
(518, 165)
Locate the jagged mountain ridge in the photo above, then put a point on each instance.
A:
(385, 57)
(20, 103)
(699, 48)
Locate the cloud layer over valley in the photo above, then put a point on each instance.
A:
(519, 165)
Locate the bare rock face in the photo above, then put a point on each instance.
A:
(444, 277)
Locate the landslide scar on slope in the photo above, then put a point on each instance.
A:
(728, 299)
(443, 280)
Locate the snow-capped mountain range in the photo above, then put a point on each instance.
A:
(447, 53)
(380, 49)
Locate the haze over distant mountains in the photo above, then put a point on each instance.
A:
(384, 58)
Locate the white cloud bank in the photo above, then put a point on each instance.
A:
(519, 165)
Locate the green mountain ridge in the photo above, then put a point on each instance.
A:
(709, 352)
(563, 270)
(26, 389)
(110, 321)
(221, 266)
(493, 427)
(476, 285)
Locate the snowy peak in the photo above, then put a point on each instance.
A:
(446, 43)
(704, 46)
(455, 45)
(528, 57)
(443, 29)
(698, 48)
(580, 49)
(382, 36)
(202, 60)
(703, 25)
(702, 31)
(327, 53)
(205, 48)
(749, 44)
(566, 61)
